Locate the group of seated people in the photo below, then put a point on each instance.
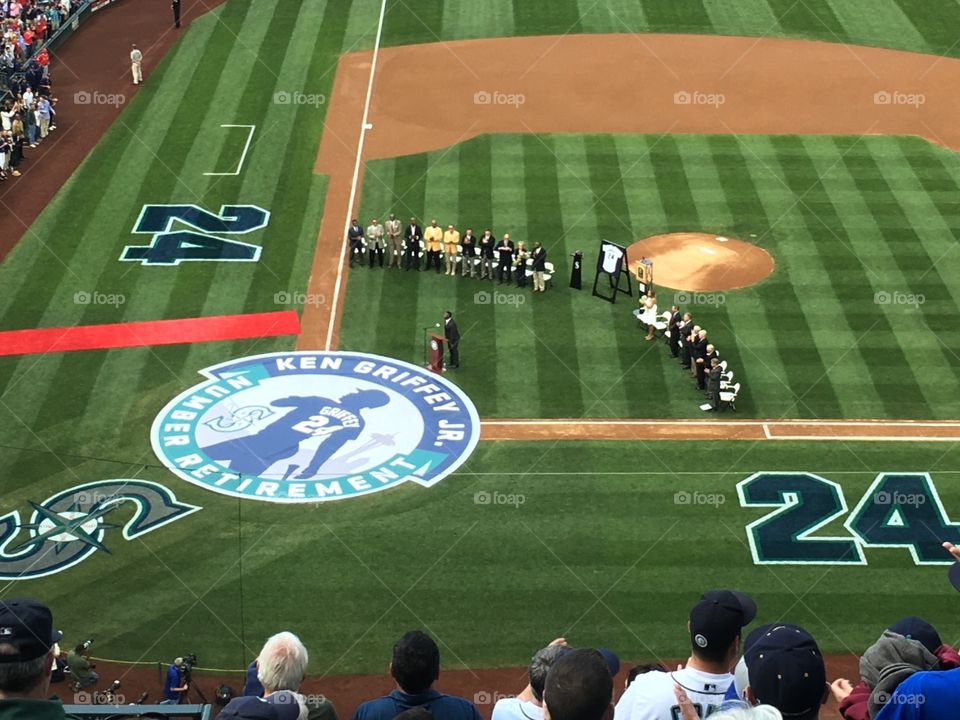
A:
(27, 112)
(446, 249)
(774, 671)
(688, 343)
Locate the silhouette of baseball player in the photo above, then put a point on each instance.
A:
(337, 422)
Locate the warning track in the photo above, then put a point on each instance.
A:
(833, 430)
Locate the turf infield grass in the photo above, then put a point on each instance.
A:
(856, 226)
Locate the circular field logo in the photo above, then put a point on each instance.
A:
(304, 427)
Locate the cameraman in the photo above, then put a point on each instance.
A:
(81, 669)
(176, 686)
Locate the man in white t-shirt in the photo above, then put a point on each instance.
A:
(528, 705)
(716, 624)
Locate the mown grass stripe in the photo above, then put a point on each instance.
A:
(918, 276)
(516, 373)
(554, 323)
(744, 17)
(409, 22)
(558, 17)
(475, 210)
(612, 16)
(850, 282)
(677, 16)
(801, 266)
(788, 334)
(885, 24)
(813, 18)
(641, 378)
(934, 21)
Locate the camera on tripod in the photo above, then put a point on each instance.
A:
(86, 644)
(186, 669)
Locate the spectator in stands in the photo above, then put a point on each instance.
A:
(735, 711)
(924, 696)
(282, 665)
(45, 114)
(715, 626)
(528, 705)
(785, 669)
(909, 643)
(287, 707)
(415, 667)
(578, 687)
(252, 686)
(642, 669)
(5, 149)
(31, 123)
(28, 649)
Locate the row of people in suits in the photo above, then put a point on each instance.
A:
(688, 343)
(509, 259)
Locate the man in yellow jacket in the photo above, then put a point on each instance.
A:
(433, 236)
(451, 246)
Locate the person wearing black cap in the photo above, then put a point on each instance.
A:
(27, 654)
(716, 623)
(416, 667)
(786, 670)
(578, 687)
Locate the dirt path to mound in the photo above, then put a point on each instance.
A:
(426, 97)
(483, 686)
(94, 59)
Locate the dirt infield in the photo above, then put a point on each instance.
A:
(862, 430)
(701, 262)
(481, 686)
(94, 59)
(609, 84)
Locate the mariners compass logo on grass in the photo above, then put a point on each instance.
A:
(305, 427)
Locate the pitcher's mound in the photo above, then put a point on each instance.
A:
(701, 262)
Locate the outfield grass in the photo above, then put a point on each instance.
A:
(598, 552)
(845, 219)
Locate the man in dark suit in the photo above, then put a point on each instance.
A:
(539, 267)
(452, 334)
(175, 6)
(683, 337)
(673, 341)
(713, 384)
(698, 351)
(355, 237)
(412, 245)
(704, 367)
(504, 258)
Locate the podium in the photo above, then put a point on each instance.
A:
(436, 353)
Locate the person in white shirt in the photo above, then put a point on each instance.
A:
(528, 705)
(716, 624)
(136, 65)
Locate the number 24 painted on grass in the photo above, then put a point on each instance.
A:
(196, 243)
(898, 510)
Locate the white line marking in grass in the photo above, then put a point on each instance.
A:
(364, 126)
(868, 438)
(753, 423)
(246, 148)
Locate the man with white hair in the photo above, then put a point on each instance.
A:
(282, 665)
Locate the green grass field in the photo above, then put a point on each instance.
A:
(599, 550)
(846, 220)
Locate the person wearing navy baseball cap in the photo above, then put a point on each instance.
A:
(786, 670)
(28, 649)
(715, 627)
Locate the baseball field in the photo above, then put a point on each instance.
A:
(595, 501)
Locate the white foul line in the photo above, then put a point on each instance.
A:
(364, 126)
(253, 129)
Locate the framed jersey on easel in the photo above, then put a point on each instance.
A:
(611, 263)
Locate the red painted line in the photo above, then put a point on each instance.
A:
(154, 332)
